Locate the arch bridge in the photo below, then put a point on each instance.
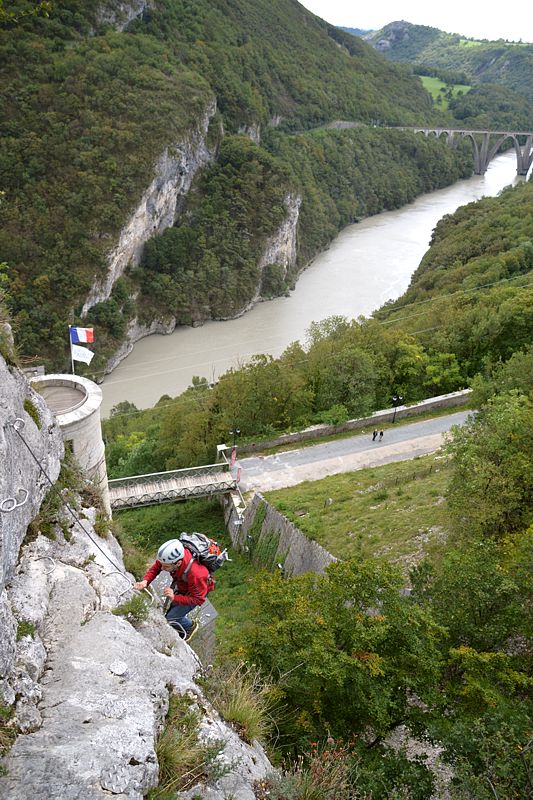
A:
(485, 145)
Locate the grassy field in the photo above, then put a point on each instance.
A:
(439, 89)
(397, 512)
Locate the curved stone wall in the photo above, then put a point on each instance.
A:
(75, 402)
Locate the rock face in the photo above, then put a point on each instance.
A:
(159, 205)
(33, 444)
(281, 248)
(121, 14)
(89, 691)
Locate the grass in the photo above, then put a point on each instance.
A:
(242, 698)
(389, 512)
(136, 609)
(231, 598)
(326, 774)
(25, 628)
(437, 88)
(183, 759)
(7, 731)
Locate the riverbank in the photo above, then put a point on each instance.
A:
(366, 265)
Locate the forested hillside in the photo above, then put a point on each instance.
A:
(91, 102)
(502, 63)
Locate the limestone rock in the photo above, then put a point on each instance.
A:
(119, 15)
(158, 207)
(25, 452)
(281, 247)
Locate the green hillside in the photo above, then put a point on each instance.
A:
(471, 294)
(503, 63)
(90, 103)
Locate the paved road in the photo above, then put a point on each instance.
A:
(345, 455)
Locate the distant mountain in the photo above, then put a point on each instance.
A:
(503, 63)
(357, 31)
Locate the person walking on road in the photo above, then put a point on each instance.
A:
(374, 435)
(380, 435)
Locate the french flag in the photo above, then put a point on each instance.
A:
(85, 335)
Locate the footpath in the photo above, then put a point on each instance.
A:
(399, 443)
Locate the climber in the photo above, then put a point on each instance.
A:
(190, 584)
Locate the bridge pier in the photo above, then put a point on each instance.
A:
(485, 145)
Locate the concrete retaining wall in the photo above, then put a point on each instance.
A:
(294, 551)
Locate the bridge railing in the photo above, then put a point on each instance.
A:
(157, 477)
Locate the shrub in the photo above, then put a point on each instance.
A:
(32, 411)
(25, 628)
(7, 732)
(135, 609)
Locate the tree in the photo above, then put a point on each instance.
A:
(348, 649)
(491, 490)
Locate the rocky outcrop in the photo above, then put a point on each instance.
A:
(159, 205)
(29, 444)
(87, 689)
(91, 690)
(120, 15)
(281, 247)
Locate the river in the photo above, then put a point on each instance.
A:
(368, 263)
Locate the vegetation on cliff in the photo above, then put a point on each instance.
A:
(89, 109)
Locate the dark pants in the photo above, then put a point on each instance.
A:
(178, 614)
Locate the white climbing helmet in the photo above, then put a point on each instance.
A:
(170, 552)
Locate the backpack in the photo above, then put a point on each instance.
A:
(204, 550)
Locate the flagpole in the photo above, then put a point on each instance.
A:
(71, 356)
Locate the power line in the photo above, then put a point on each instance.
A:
(452, 294)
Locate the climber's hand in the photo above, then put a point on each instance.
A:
(140, 585)
(167, 591)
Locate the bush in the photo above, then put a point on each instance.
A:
(135, 609)
(25, 628)
(7, 731)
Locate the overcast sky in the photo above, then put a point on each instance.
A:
(475, 18)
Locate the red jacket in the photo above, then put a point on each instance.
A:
(192, 589)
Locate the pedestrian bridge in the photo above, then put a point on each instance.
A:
(175, 484)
